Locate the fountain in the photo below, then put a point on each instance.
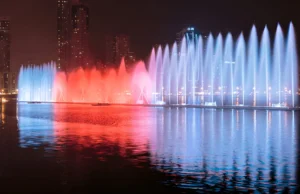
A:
(208, 71)
(44, 84)
(200, 71)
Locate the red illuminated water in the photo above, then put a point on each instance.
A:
(115, 86)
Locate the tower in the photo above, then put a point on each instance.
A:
(79, 37)
(118, 47)
(63, 33)
(5, 52)
(72, 34)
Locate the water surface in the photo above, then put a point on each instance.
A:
(64, 148)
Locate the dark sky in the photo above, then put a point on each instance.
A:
(146, 22)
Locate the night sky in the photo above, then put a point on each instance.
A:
(152, 22)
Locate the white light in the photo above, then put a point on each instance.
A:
(160, 102)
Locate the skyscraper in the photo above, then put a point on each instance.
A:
(118, 47)
(110, 49)
(63, 33)
(5, 52)
(72, 34)
(4, 44)
(122, 47)
(79, 40)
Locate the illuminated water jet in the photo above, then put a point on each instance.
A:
(199, 71)
(44, 84)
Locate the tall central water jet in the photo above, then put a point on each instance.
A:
(219, 67)
(278, 61)
(209, 67)
(264, 67)
(291, 65)
(252, 65)
(228, 66)
(239, 72)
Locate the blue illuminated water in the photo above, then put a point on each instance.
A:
(256, 72)
(36, 83)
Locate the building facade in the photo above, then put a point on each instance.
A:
(5, 44)
(110, 50)
(72, 34)
(79, 41)
(8, 83)
(63, 33)
(118, 47)
(122, 48)
(12, 82)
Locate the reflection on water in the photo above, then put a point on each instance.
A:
(232, 148)
(36, 126)
(204, 149)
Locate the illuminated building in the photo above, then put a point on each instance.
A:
(5, 53)
(63, 33)
(72, 34)
(122, 47)
(79, 41)
(13, 82)
(8, 82)
(118, 47)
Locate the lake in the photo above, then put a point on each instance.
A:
(79, 148)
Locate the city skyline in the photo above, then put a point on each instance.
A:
(34, 34)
